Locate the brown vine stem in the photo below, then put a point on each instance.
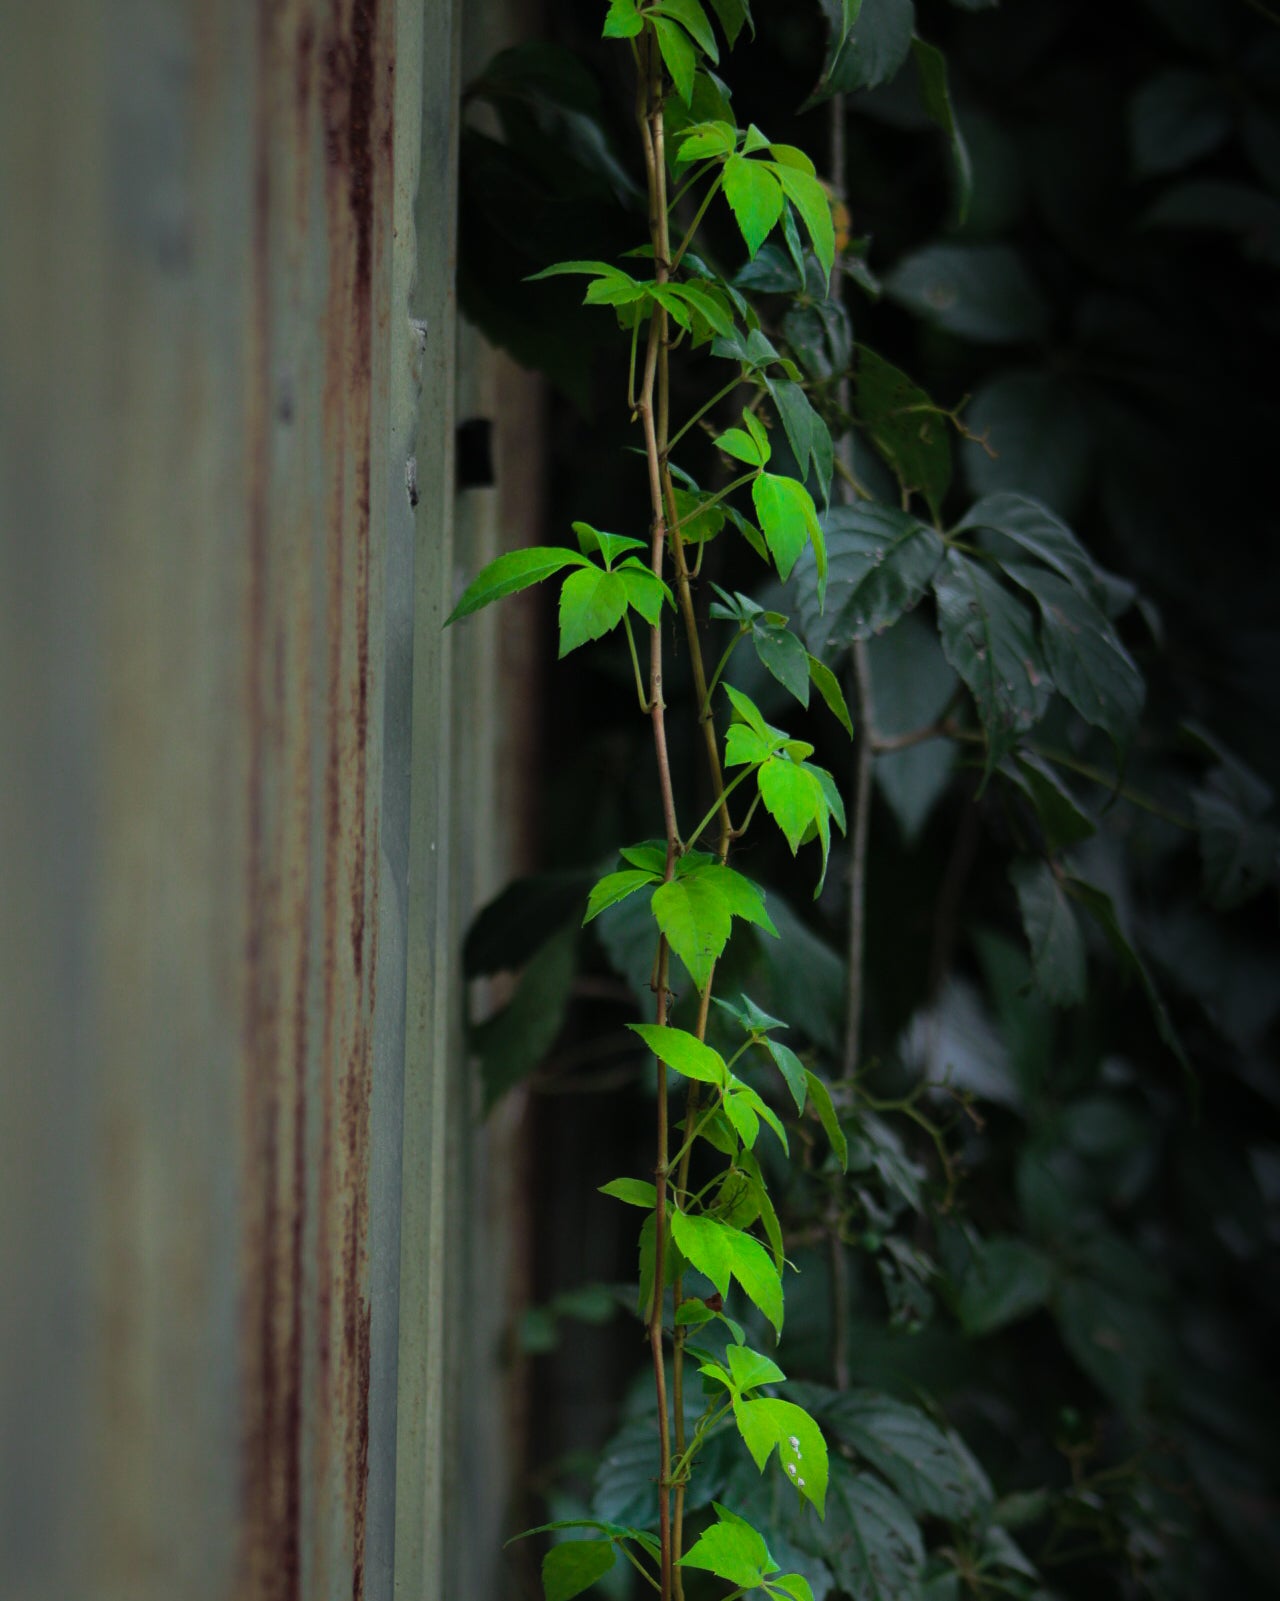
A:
(655, 411)
(649, 116)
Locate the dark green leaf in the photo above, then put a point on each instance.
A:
(511, 573)
(512, 927)
(733, 14)
(880, 561)
(1062, 818)
(870, 1538)
(987, 637)
(874, 50)
(808, 435)
(1175, 118)
(791, 1068)
(1007, 1280)
(981, 292)
(1057, 948)
(1239, 849)
(1089, 665)
(1101, 908)
(820, 1095)
(574, 1566)
(920, 1460)
(1040, 434)
(906, 427)
(512, 1043)
(935, 97)
(911, 685)
(782, 654)
(1041, 534)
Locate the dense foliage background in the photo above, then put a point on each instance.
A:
(1055, 1240)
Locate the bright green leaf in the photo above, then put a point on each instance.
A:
(683, 1051)
(591, 603)
(694, 19)
(750, 1369)
(734, 442)
(809, 198)
(574, 1566)
(755, 198)
(788, 520)
(634, 1192)
(828, 686)
(679, 55)
(769, 1423)
(792, 796)
(615, 887)
(623, 21)
(733, 1551)
(694, 915)
(517, 570)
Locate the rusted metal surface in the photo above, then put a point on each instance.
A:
(205, 730)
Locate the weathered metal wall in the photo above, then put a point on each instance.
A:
(233, 871)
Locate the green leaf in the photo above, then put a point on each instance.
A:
(871, 1541)
(791, 1068)
(574, 1566)
(758, 1274)
(820, 1095)
(513, 926)
(694, 915)
(807, 434)
(792, 796)
(612, 287)
(734, 442)
(1041, 428)
(1039, 532)
(1057, 947)
(1176, 118)
(768, 1423)
(987, 637)
(651, 855)
(788, 520)
(610, 546)
(782, 654)
(1007, 1279)
(511, 573)
(743, 898)
(623, 21)
(828, 686)
(912, 684)
(1089, 665)
(698, 521)
(733, 14)
(809, 198)
(880, 563)
(707, 305)
(634, 1192)
(591, 603)
(981, 292)
(792, 1586)
(684, 1052)
(1238, 848)
(645, 592)
(1061, 816)
(746, 709)
(704, 1243)
(874, 49)
(615, 887)
(935, 97)
(512, 1043)
(679, 55)
(1101, 908)
(733, 1551)
(750, 1369)
(933, 1474)
(755, 198)
(906, 427)
(693, 18)
(707, 141)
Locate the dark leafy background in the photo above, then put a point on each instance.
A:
(1085, 1288)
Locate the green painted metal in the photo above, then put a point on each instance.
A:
(244, 791)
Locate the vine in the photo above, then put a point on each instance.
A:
(1018, 617)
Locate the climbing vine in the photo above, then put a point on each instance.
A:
(992, 639)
